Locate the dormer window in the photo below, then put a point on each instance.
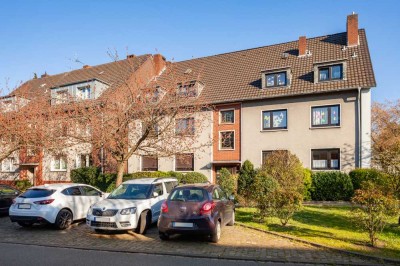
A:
(333, 72)
(275, 78)
(330, 71)
(83, 92)
(190, 89)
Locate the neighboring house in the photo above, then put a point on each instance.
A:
(311, 97)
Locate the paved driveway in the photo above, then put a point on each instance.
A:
(236, 243)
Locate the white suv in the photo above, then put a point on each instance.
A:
(135, 204)
(58, 204)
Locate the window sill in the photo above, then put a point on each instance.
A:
(324, 170)
(184, 171)
(274, 130)
(52, 170)
(330, 80)
(226, 123)
(226, 149)
(277, 87)
(8, 172)
(312, 128)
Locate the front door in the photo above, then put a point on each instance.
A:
(233, 169)
(30, 175)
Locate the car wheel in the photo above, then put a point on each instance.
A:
(232, 221)
(144, 222)
(216, 235)
(64, 219)
(25, 224)
(163, 236)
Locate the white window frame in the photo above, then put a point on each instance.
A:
(220, 143)
(84, 92)
(78, 160)
(186, 118)
(11, 162)
(53, 159)
(225, 110)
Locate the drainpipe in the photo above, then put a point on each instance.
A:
(359, 127)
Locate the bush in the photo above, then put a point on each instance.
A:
(22, 185)
(331, 186)
(360, 175)
(227, 181)
(376, 207)
(193, 177)
(245, 178)
(86, 175)
(264, 187)
(307, 181)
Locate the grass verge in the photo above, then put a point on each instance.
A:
(331, 226)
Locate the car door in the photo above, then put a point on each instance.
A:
(157, 201)
(218, 204)
(91, 196)
(227, 206)
(75, 201)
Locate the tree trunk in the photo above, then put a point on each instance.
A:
(120, 172)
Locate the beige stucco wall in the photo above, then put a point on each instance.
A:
(300, 138)
(202, 155)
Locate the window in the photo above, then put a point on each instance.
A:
(84, 160)
(9, 164)
(325, 159)
(324, 116)
(228, 117)
(184, 162)
(4, 190)
(153, 130)
(149, 163)
(72, 191)
(188, 89)
(158, 188)
(333, 72)
(274, 119)
(59, 163)
(37, 193)
(61, 96)
(266, 154)
(222, 194)
(89, 191)
(170, 185)
(184, 126)
(227, 140)
(189, 195)
(215, 195)
(275, 79)
(83, 93)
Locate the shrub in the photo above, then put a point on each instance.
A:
(307, 182)
(86, 175)
(360, 175)
(287, 196)
(22, 185)
(193, 177)
(227, 181)
(376, 207)
(245, 178)
(331, 185)
(264, 187)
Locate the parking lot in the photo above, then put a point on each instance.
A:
(236, 243)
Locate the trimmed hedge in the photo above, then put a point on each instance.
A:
(307, 181)
(106, 182)
(363, 174)
(331, 186)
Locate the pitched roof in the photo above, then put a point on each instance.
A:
(236, 76)
(113, 74)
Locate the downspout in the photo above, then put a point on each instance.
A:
(359, 127)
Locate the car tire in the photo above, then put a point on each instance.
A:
(144, 222)
(216, 235)
(64, 219)
(163, 236)
(25, 224)
(232, 221)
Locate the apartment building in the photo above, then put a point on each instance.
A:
(311, 96)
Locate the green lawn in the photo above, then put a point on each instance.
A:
(331, 226)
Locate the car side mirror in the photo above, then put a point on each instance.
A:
(16, 193)
(155, 195)
(231, 197)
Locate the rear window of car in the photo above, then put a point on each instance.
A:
(37, 193)
(188, 195)
(7, 191)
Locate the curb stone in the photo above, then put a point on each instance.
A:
(199, 256)
(370, 257)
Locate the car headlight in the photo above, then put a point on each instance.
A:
(128, 211)
(89, 211)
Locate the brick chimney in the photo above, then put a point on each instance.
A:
(352, 30)
(302, 46)
(44, 75)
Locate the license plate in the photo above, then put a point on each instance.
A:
(24, 206)
(178, 224)
(101, 219)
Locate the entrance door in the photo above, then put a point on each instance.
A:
(233, 169)
(30, 175)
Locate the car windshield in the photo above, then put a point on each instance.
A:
(188, 194)
(37, 193)
(131, 191)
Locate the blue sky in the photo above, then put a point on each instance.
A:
(38, 36)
